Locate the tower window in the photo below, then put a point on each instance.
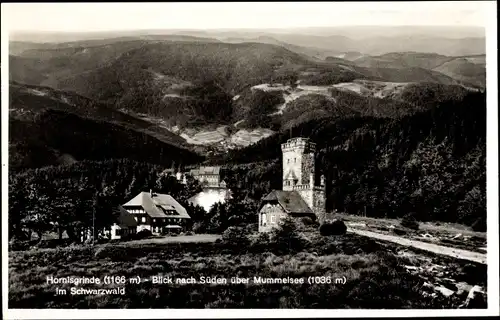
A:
(295, 160)
(288, 160)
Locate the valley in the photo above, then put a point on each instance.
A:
(253, 89)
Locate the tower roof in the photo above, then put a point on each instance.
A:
(291, 175)
(291, 201)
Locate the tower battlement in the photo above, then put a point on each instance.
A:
(299, 169)
(299, 143)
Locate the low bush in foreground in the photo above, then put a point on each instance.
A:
(479, 225)
(308, 221)
(286, 238)
(399, 231)
(334, 228)
(143, 234)
(409, 221)
(236, 237)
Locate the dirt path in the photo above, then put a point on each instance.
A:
(452, 252)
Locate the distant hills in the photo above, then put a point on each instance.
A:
(467, 69)
(48, 127)
(192, 88)
(370, 40)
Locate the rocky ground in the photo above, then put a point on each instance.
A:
(460, 239)
(463, 280)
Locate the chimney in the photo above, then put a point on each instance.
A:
(311, 180)
(322, 180)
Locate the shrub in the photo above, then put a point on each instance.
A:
(334, 228)
(261, 240)
(18, 245)
(409, 221)
(235, 237)
(399, 231)
(473, 273)
(479, 225)
(198, 227)
(143, 234)
(285, 238)
(251, 227)
(308, 221)
(189, 233)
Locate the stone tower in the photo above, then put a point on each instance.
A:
(299, 173)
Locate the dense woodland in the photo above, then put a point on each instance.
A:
(64, 198)
(75, 197)
(55, 136)
(433, 162)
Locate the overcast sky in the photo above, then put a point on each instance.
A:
(128, 16)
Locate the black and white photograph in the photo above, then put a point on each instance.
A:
(254, 159)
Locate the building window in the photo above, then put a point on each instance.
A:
(154, 220)
(288, 161)
(273, 219)
(135, 218)
(143, 219)
(295, 160)
(263, 222)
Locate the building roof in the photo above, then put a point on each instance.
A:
(158, 206)
(206, 170)
(124, 219)
(291, 201)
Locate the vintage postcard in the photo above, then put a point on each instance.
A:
(193, 160)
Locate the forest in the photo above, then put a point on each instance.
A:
(432, 163)
(52, 135)
(76, 197)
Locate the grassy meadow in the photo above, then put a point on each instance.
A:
(375, 278)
